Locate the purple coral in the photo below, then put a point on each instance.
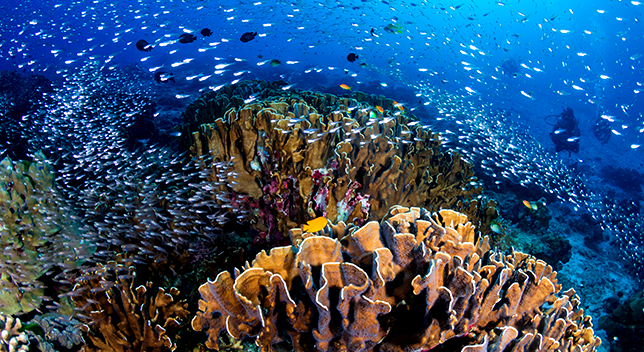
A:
(351, 199)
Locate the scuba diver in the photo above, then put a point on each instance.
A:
(510, 68)
(601, 130)
(565, 132)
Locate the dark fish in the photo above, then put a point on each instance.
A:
(363, 65)
(393, 28)
(601, 130)
(186, 38)
(206, 32)
(248, 36)
(275, 63)
(372, 33)
(143, 45)
(163, 77)
(352, 57)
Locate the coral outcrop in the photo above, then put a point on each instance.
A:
(11, 338)
(413, 281)
(629, 180)
(33, 234)
(54, 332)
(625, 324)
(299, 155)
(120, 317)
(536, 217)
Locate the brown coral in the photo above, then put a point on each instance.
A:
(411, 282)
(302, 155)
(121, 317)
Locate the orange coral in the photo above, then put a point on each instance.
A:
(411, 282)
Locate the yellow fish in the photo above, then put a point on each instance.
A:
(399, 106)
(315, 225)
(496, 228)
(531, 205)
(344, 86)
(380, 109)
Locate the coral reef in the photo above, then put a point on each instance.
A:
(412, 281)
(625, 324)
(536, 217)
(279, 158)
(11, 339)
(535, 230)
(35, 234)
(510, 158)
(54, 332)
(552, 247)
(152, 202)
(120, 317)
(300, 155)
(623, 220)
(628, 180)
(591, 229)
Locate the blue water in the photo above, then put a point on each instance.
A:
(523, 60)
(586, 56)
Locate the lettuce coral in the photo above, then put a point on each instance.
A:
(298, 155)
(412, 281)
